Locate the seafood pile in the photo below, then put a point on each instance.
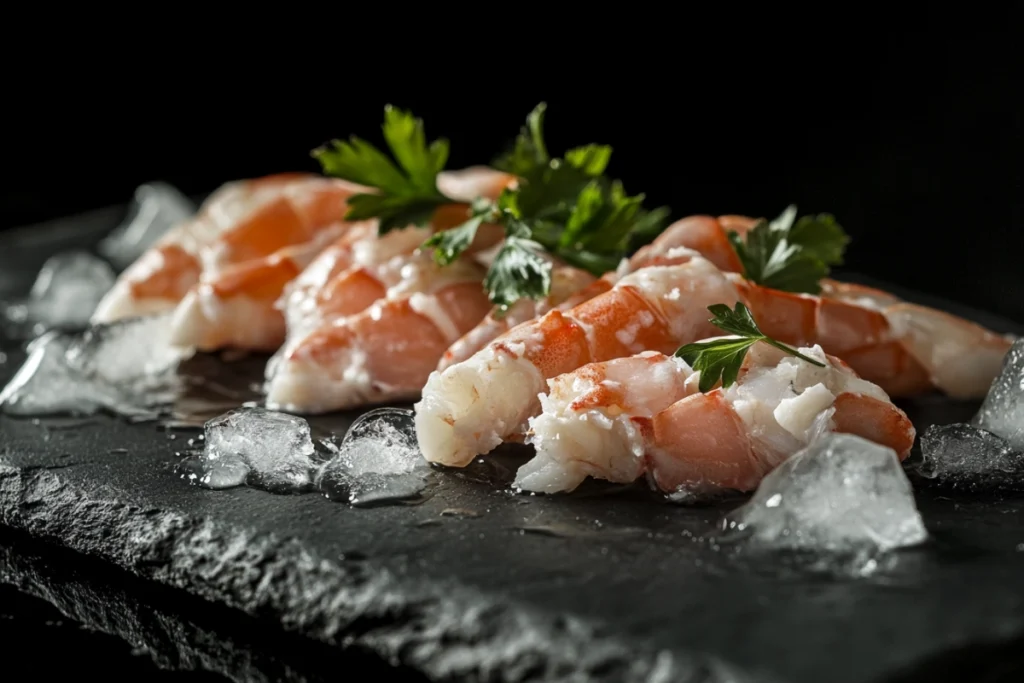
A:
(534, 301)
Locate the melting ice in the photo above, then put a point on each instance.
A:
(66, 292)
(989, 452)
(157, 208)
(255, 446)
(1002, 412)
(841, 494)
(115, 366)
(378, 460)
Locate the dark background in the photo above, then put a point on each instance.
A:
(909, 134)
(903, 124)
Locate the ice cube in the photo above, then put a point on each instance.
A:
(961, 456)
(133, 351)
(157, 208)
(377, 461)
(988, 454)
(214, 472)
(66, 291)
(264, 448)
(1002, 412)
(841, 494)
(122, 367)
(44, 384)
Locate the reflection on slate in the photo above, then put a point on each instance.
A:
(609, 584)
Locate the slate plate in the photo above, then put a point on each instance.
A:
(177, 631)
(610, 584)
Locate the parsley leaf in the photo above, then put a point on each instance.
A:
(448, 245)
(408, 193)
(601, 218)
(822, 237)
(565, 207)
(791, 256)
(528, 152)
(721, 359)
(591, 231)
(550, 192)
(590, 160)
(519, 271)
(718, 360)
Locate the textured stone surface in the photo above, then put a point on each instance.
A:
(616, 587)
(604, 585)
(177, 631)
(442, 593)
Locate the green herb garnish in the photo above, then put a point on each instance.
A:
(408, 193)
(721, 359)
(519, 270)
(565, 207)
(791, 256)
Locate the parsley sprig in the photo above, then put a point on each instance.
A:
(407, 191)
(721, 359)
(564, 207)
(791, 254)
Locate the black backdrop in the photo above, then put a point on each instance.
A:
(911, 137)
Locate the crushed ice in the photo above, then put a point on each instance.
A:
(842, 495)
(156, 208)
(66, 291)
(377, 461)
(254, 446)
(115, 366)
(988, 453)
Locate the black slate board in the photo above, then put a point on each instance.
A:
(115, 613)
(605, 585)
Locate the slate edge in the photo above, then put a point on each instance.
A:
(444, 630)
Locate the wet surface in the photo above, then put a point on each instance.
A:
(470, 579)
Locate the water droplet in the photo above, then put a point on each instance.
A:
(774, 501)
